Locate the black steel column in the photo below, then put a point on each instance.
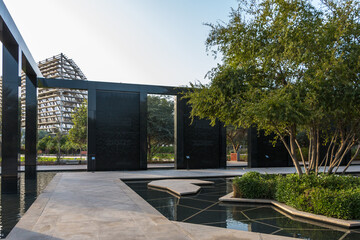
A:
(179, 133)
(91, 161)
(222, 146)
(10, 119)
(143, 130)
(30, 127)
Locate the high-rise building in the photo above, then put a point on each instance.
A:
(55, 106)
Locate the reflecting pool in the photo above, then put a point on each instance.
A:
(204, 208)
(13, 206)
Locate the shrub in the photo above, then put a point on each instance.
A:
(329, 195)
(255, 185)
(166, 149)
(344, 204)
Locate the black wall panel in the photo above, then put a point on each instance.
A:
(262, 153)
(117, 130)
(202, 143)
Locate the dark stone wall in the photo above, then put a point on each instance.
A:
(204, 144)
(117, 130)
(261, 152)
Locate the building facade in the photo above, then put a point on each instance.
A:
(56, 105)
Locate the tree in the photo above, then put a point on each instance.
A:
(45, 144)
(78, 134)
(160, 124)
(67, 146)
(58, 142)
(236, 137)
(288, 67)
(42, 134)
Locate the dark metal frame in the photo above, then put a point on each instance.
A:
(92, 87)
(15, 52)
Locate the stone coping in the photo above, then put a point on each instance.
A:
(33, 214)
(180, 187)
(335, 221)
(204, 232)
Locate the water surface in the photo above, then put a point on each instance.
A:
(205, 208)
(14, 206)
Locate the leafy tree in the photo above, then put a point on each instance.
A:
(42, 134)
(43, 144)
(67, 146)
(236, 137)
(51, 144)
(160, 124)
(78, 134)
(58, 142)
(288, 67)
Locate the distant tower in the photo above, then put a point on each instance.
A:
(56, 105)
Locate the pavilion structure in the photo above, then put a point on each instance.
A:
(117, 124)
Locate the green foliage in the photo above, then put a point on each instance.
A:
(54, 143)
(343, 203)
(255, 185)
(160, 124)
(42, 134)
(329, 195)
(287, 67)
(164, 156)
(59, 143)
(47, 159)
(43, 143)
(78, 134)
(236, 137)
(166, 149)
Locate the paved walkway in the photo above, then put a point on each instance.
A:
(99, 205)
(233, 168)
(172, 165)
(204, 173)
(75, 167)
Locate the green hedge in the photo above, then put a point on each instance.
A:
(255, 185)
(166, 149)
(329, 195)
(48, 159)
(168, 156)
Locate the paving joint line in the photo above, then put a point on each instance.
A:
(200, 211)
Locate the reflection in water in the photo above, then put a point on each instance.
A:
(205, 208)
(14, 206)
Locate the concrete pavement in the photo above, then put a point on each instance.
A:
(99, 205)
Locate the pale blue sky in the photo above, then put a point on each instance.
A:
(158, 42)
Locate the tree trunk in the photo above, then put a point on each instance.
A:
(149, 155)
(293, 152)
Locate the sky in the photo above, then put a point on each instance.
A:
(159, 42)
